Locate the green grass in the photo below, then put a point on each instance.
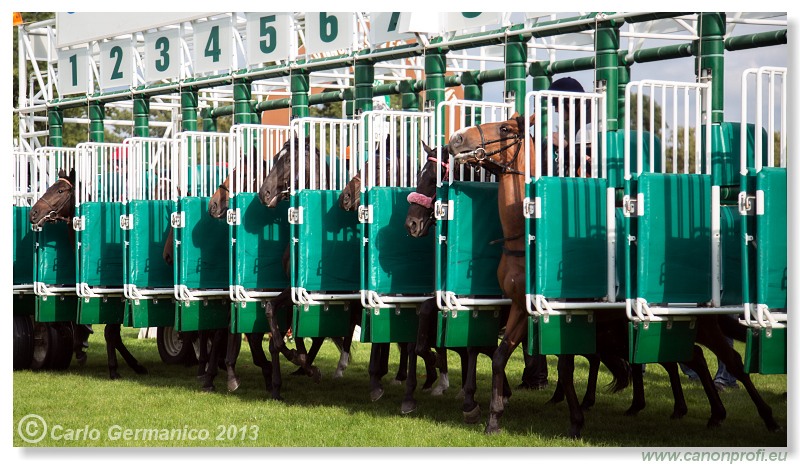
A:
(339, 412)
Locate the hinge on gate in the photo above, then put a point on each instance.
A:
(365, 213)
(746, 206)
(531, 208)
(126, 221)
(177, 220)
(79, 223)
(233, 216)
(296, 215)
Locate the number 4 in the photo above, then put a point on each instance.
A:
(212, 46)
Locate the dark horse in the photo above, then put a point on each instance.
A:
(497, 148)
(58, 204)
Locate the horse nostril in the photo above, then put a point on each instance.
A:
(411, 226)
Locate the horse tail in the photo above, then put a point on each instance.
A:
(732, 328)
(620, 371)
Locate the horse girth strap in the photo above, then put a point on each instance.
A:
(513, 253)
(225, 188)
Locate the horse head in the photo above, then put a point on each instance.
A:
(350, 196)
(219, 203)
(419, 218)
(276, 185)
(495, 146)
(57, 203)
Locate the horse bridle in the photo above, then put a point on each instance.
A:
(53, 211)
(481, 155)
(422, 199)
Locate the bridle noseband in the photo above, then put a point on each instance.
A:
(481, 155)
(422, 199)
(53, 214)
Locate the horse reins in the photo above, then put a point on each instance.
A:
(481, 155)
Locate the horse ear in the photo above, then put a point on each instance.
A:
(71, 176)
(426, 147)
(62, 173)
(514, 116)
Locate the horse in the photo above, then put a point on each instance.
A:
(58, 204)
(497, 147)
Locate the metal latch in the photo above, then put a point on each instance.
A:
(746, 206)
(531, 208)
(633, 207)
(442, 211)
(365, 213)
(296, 215)
(177, 219)
(232, 216)
(126, 221)
(79, 223)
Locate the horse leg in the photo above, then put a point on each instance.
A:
(679, 409)
(256, 340)
(470, 408)
(558, 394)
(123, 351)
(231, 355)
(409, 404)
(699, 365)
(202, 361)
(277, 337)
(80, 341)
(213, 360)
(344, 349)
(464, 357)
(591, 386)
(276, 371)
(566, 376)
(375, 358)
(425, 333)
(733, 362)
(310, 355)
(402, 368)
(514, 332)
(637, 380)
(432, 360)
(111, 350)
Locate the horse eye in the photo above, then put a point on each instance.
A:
(504, 129)
(60, 191)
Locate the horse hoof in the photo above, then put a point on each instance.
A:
(493, 430)
(376, 394)
(473, 416)
(277, 398)
(209, 388)
(633, 411)
(396, 382)
(81, 357)
(408, 406)
(678, 414)
(587, 405)
(315, 375)
(233, 384)
(338, 374)
(114, 375)
(714, 423)
(298, 372)
(460, 395)
(139, 369)
(574, 433)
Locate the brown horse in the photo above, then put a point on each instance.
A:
(497, 147)
(58, 204)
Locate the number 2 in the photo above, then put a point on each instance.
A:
(116, 53)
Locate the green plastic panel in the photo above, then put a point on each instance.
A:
(388, 325)
(471, 265)
(771, 239)
(24, 305)
(101, 310)
(202, 315)
(247, 317)
(145, 251)
(396, 263)
(328, 253)
(55, 255)
(331, 320)
(571, 254)
(622, 242)
(731, 251)
(23, 247)
(726, 151)
(261, 239)
(203, 253)
(661, 341)
(765, 354)
(674, 238)
(102, 244)
(56, 308)
(150, 313)
(568, 334)
(478, 328)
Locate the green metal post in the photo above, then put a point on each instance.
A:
(516, 54)
(209, 122)
(408, 97)
(710, 53)
(299, 88)
(349, 103)
(364, 77)
(97, 113)
(189, 110)
(141, 116)
(242, 108)
(623, 78)
(541, 81)
(435, 67)
(55, 127)
(607, 61)
(473, 91)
